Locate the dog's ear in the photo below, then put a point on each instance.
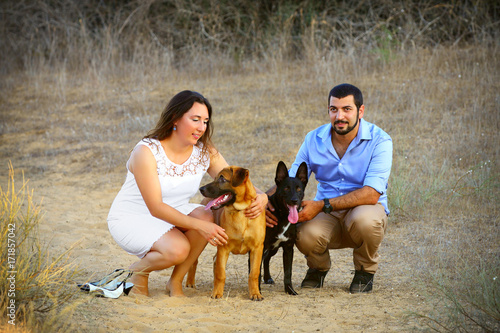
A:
(239, 176)
(302, 173)
(281, 173)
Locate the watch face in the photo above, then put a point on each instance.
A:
(327, 208)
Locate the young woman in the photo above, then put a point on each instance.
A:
(151, 217)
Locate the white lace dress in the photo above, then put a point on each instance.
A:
(130, 222)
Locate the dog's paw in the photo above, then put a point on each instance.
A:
(290, 291)
(216, 296)
(190, 285)
(256, 297)
(269, 281)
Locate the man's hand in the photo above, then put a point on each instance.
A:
(310, 209)
(271, 220)
(257, 205)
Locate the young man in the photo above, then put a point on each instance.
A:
(351, 159)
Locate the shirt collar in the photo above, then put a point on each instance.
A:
(325, 132)
(364, 131)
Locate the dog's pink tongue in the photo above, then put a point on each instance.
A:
(293, 214)
(217, 201)
(210, 204)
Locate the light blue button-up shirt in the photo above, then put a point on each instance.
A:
(367, 162)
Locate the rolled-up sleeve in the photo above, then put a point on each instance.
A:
(302, 156)
(379, 170)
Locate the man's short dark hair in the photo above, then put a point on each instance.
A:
(344, 90)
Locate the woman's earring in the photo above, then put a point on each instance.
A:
(175, 128)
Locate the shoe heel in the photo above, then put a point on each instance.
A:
(128, 287)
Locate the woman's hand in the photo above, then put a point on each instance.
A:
(213, 233)
(257, 206)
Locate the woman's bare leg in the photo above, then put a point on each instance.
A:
(197, 243)
(171, 249)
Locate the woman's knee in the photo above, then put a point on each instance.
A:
(179, 254)
(202, 214)
(173, 250)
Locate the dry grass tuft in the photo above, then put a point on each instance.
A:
(33, 283)
(462, 284)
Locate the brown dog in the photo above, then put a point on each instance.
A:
(233, 192)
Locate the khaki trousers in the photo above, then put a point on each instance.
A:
(361, 228)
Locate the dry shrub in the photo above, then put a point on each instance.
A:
(36, 289)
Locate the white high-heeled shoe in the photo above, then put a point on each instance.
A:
(110, 291)
(111, 286)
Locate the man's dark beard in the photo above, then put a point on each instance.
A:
(348, 129)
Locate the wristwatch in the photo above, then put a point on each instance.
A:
(327, 208)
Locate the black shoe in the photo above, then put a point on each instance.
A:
(313, 279)
(361, 283)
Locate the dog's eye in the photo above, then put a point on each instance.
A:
(299, 189)
(287, 189)
(222, 180)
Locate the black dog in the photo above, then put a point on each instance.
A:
(286, 201)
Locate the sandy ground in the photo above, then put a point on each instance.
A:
(77, 215)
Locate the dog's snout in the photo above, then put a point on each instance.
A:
(204, 190)
(295, 199)
(210, 190)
